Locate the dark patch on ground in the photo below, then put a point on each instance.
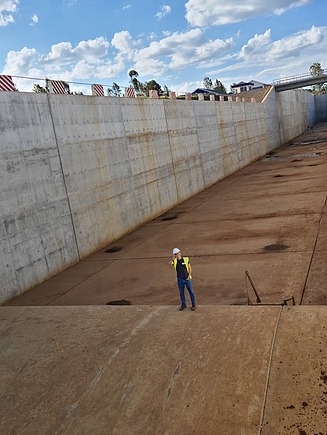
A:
(275, 247)
(323, 377)
(170, 217)
(113, 249)
(279, 176)
(119, 302)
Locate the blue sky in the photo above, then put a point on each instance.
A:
(175, 42)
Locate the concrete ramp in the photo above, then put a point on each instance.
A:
(154, 370)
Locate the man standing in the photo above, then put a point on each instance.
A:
(183, 268)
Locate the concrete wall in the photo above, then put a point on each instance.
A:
(78, 172)
(296, 113)
(36, 232)
(321, 108)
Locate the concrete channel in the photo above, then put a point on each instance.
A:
(72, 364)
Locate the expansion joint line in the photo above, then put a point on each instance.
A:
(272, 350)
(63, 175)
(313, 252)
(171, 152)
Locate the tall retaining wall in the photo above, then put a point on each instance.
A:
(78, 172)
(321, 108)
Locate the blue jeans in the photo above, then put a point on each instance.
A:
(181, 285)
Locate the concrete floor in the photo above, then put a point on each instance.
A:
(78, 366)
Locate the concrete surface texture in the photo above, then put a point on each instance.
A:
(72, 367)
(79, 172)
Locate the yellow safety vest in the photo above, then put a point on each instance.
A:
(186, 262)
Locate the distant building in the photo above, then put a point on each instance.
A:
(246, 86)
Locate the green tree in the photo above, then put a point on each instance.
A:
(137, 85)
(165, 91)
(207, 83)
(153, 85)
(219, 87)
(216, 86)
(114, 91)
(316, 70)
(39, 89)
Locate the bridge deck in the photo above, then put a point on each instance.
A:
(299, 82)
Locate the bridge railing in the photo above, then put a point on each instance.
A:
(298, 77)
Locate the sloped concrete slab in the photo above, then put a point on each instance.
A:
(134, 370)
(60, 284)
(316, 286)
(295, 233)
(297, 390)
(217, 280)
(268, 206)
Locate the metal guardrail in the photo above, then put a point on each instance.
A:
(297, 78)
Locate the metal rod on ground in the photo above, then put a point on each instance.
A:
(254, 289)
(247, 291)
(289, 299)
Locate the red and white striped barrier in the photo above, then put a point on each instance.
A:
(97, 90)
(6, 83)
(57, 87)
(153, 93)
(130, 92)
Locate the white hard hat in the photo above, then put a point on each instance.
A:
(176, 251)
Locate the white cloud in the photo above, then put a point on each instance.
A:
(18, 62)
(102, 71)
(64, 53)
(88, 59)
(219, 12)
(7, 8)
(70, 3)
(152, 36)
(8, 5)
(261, 50)
(124, 43)
(35, 20)
(294, 45)
(127, 7)
(256, 45)
(179, 50)
(165, 10)
(266, 60)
